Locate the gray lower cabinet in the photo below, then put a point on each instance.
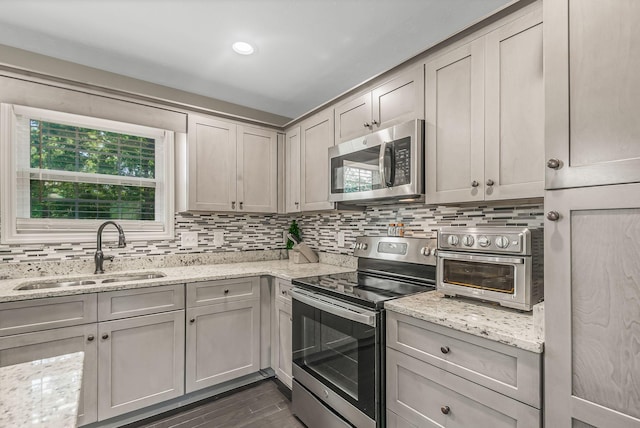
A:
(282, 334)
(440, 377)
(592, 307)
(26, 347)
(140, 362)
(223, 339)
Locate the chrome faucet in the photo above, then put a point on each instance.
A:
(98, 257)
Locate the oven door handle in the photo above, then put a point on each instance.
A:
(352, 313)
(477, 258)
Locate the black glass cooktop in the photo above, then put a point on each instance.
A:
(361, 288)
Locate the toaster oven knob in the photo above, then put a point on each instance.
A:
(468, 240)
(502, 242)
(452, 240)
(425, 251)
(363, 246)
(483, 241)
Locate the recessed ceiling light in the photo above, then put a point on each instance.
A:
(243, 48)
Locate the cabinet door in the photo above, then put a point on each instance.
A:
(353, 118)
(283, 361)
(455, 125)
(141, 362)
(316, 136)
(257, 170)
(292, 170)
(399, 100)
(592, 295)
(514, 110)
(212, 164)
(21, 348)
(223, 343)
(592, 88)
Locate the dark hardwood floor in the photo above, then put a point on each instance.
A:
(260, 405)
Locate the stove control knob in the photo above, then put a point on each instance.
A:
(425, 251)
(468, 240)
(483, 241)
(452, 240)
(502, 242)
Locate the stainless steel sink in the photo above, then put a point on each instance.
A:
(57, 284)
(50, 284)
(136, 277)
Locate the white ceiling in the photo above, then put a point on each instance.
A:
(308, 51)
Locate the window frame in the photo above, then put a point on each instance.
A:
(14, 230)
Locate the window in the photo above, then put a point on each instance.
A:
(69, 173)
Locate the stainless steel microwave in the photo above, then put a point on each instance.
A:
(385, 165)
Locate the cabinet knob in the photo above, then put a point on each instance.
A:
(284, 292)
(105, 336)
(297, 203)
(226, 291)
(90, 338)
(553, 216)
(241, 204)
(444, 349)
(445, 409)
(554, 163)
(366, 124)
(233, 205)
(490, 182)
(192, 320)
(474, 183)
(374, 122)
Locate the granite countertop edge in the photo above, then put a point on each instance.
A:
(283, 269)
(502, 325)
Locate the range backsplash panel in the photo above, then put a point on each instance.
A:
(243, 232)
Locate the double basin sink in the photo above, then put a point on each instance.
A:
(41, 285)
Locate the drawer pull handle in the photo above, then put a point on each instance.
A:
(226, 291)
(284, 292)
(444, 349)
(192, 320)
(553, 216)
(445, 410)
(90, 338)
(105, 336)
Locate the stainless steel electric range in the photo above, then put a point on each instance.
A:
(339, 331)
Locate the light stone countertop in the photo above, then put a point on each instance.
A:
(174, 275)
(41, 393)
(486, 320)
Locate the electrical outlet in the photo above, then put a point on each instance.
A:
(341, 239)
(218, 238)
(284, 236)
(189, 239)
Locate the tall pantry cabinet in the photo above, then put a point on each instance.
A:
(592, 231)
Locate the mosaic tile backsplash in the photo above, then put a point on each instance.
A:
(244, 232)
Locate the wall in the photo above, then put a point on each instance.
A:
(264, 232)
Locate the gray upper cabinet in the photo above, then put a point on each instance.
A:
(592, 295)
(211, 164)
(455, 125)
(592, 88)
(398, 100)
(485, 116)
(292, 170)
(316, 136)
(231, 167)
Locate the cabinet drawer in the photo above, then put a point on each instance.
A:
(283, 287)
(42, 314)
(225, 290)
(115, 305)
(427, 396)
(395, 421)
(502, 368)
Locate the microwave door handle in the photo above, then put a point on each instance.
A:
(391, 176)
(478, 258)
(381, 156)
(355, 314)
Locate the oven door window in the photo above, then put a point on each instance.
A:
(487, 276)
(338, 352)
